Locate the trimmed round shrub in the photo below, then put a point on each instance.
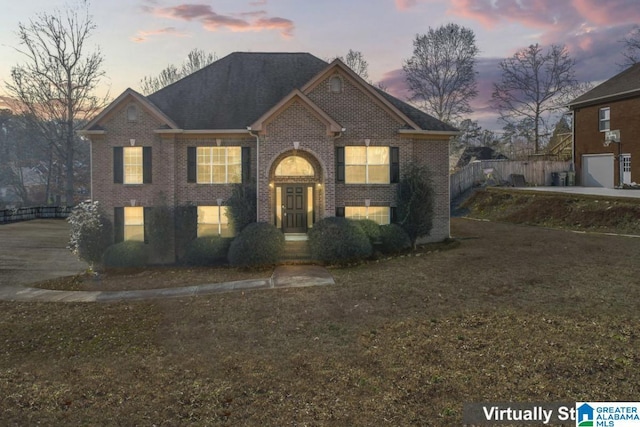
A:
(393, 239)
(210, 250)
(338, 240)
(126, 254)
(258, 244)
(371, 229)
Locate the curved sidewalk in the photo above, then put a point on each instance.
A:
(287, 276)
(33, 251)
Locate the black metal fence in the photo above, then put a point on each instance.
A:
(25, 214)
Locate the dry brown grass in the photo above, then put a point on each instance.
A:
(516, 313)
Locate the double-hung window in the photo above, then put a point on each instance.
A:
(605, 119)
(134, 223)
(132, 165)
(132, 162)
(379, 214)
(213, 221)
(366, 165)
(219, 165)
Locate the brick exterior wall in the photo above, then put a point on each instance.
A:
(624, 115)
(362, 116)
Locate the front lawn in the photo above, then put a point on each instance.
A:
(516, 313)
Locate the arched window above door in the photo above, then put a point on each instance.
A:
(294, 166)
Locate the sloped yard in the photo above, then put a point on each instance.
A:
(514, 313)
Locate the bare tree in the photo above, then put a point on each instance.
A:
(355, 60)
(441, 73)
(530, 86)
(56, 84)
(631, 50)
(196, 59)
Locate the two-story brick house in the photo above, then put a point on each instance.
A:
(612, 105)
(316, 139)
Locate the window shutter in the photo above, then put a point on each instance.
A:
(393, 215)
(118, 224)
(146, 215)
(246, 165)
(339, 164)
(340, 211)
(118, 169)
(395, 165)
(191, 164)
(146, 165)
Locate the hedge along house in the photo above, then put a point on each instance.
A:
(315, 138)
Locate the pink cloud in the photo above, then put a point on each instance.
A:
(213, 21)
(405, 4)
(609, 12)
(143, 35)
(532, 13)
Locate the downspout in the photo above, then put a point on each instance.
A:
(257, 172)
(91, 169)
(572, 166)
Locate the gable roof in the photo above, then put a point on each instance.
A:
(153, 110)
(236, 90)
(422, 119)
(240, 89)
(332, 125)
(622, 85)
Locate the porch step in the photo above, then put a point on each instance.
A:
(295, 237)
(296, 250)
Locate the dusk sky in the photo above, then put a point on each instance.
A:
(141, 37)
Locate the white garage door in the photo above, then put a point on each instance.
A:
(597, 170)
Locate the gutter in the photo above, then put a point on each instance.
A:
(257, 137)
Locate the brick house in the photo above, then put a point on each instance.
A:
(613, 105)
(317, 140)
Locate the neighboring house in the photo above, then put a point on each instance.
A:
(613, 105)
(317, 140)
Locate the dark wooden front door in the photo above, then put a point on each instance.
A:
(294, 211)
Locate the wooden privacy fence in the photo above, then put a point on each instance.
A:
(536, 172)
(25, 214)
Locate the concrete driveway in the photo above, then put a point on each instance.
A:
(593, 191)
(32, 251)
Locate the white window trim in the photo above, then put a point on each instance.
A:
(601, 120)
(211, 165)
(126, 178)
(366, 165)
(366, 208)
(128, 223)
(221, 219)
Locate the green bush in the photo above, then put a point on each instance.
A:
(242, 206)
(393, 239)
(338, 240)
(209, 250)
(126, 254)
(371, 229)
(258, 244)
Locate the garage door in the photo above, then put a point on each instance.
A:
(597, 170)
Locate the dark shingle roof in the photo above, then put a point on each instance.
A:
(620, 85)
(422, 119)
(235, 91)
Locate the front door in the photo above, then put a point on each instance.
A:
(626, 168)
(294, 209)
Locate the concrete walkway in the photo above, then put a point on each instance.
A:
(286, 276)
(34, 251)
